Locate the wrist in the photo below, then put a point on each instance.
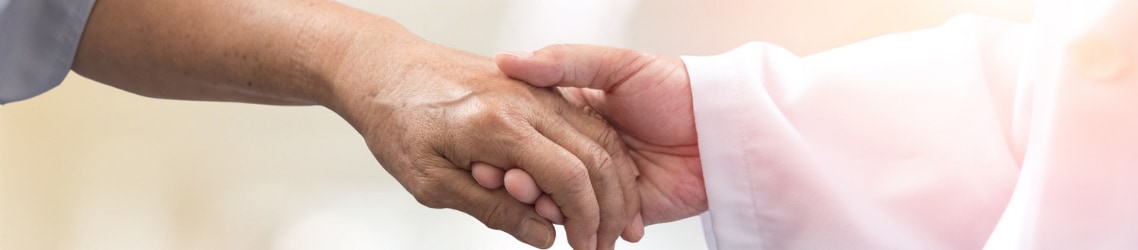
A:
(364, 67)
(355, 58)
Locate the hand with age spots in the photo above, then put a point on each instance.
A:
(646, 97)
(425, 111)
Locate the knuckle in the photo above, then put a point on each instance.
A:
(511, 123)
(610, 139)
(524, 139)
(428, 192)
(602, 161)
(577, 179)
(598, 163)
(428, 199)
(605, 174)
(496, 217)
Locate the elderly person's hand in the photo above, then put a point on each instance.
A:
(425, 111)
(646, 97)
(450, 109)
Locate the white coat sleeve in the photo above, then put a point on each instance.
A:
(1079, 184)
(898, 142)
(38, 40)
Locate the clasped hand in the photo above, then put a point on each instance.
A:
(647, 100)
(610, 150)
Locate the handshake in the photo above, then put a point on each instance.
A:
(610, 151)
(602, 140)
(649, 169)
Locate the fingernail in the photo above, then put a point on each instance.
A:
(534, 232)
(518, 54)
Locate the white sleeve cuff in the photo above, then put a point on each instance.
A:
(730, 102)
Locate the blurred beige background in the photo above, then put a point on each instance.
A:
(86, 166)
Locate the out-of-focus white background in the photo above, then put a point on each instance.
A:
(86, 166)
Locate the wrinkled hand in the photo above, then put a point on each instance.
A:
(452, 108)
(425, 111)
(646, 97)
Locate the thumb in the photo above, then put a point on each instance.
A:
(583, 66)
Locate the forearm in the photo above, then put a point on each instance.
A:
(258, 51)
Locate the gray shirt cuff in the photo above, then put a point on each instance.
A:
(38, 40)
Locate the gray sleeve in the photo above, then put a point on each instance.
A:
(38, 39)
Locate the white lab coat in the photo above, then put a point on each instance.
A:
(979, 133)
(38, 40)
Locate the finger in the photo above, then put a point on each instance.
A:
(558, 171)
(567, 180)
(494, 208)
(521, 185)
(543, 204)
(633, 233)
(606, 181)
(487, 175)
(598, 130)
(548, 209)
(585, 66)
